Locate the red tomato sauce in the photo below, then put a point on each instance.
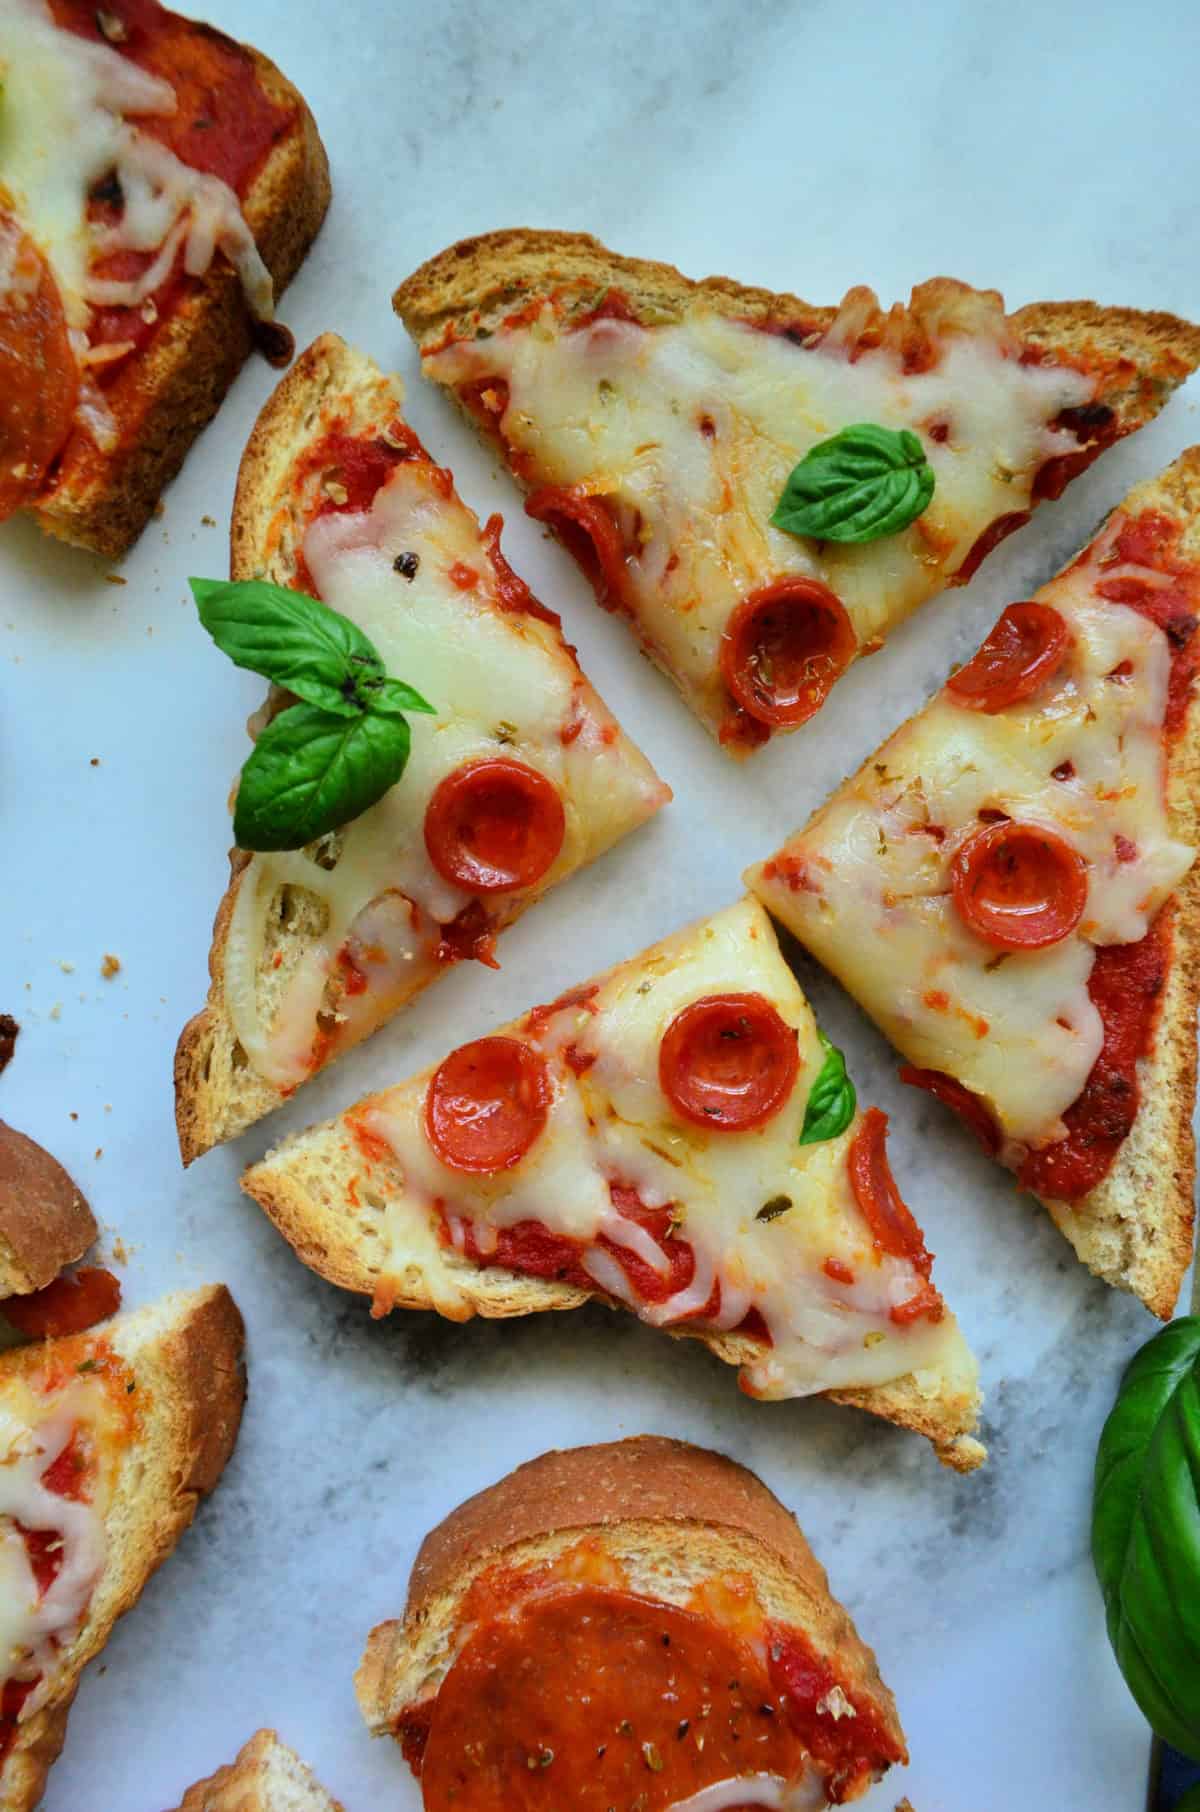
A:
(535, 1251)
(468, 937)
(1151, 539)
(71, 1304)
(224, 125)
(593, 1698)
(1125, 987)
(853, 1749)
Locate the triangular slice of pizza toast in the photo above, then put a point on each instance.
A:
(1007, 886)
(675, 1136)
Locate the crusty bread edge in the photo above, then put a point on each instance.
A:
(45, 1221)
(103, 501)
(636, 1489)
(244, 1785)
(196, 1410)
(492, 271)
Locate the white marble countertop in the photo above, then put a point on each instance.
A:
(1047, 150)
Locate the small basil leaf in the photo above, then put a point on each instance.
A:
(292, 639)
(860, 485)
(392, 697)
(831, 1100)
(1146, 1531)
(310, 772)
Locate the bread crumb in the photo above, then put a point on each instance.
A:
(120, 1252)
(56, 1010)
(115, 579)
(209, 521)
(110, 966)
(160, 509)
(66, 967)
(95, 761)
(73, 1116)
(99, 1152)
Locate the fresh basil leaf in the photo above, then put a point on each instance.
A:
(297, 641)
(831, 1100)
(860, 485)
(392, 697)
(309, 772)
(1146, 1531)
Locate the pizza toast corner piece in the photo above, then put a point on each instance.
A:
(675, 1552)
(700, 397)
(1120, 1184)
(139, 413)
(265, 1776)
(336, 417)
(825, 1288)
(127, 1427)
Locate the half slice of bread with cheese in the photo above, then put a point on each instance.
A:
(169, 181)
(645, 1613)
(1071, 1056)
(671, 1137)
(108, 1440)
(45, 1223)
(265, 1776)
(659, 426)
(315, 949)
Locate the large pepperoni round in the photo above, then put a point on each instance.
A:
(39, 379)
(1018, 886)
(487, 1105)
(1018, 656)
(587, 1699)
(494, 825)
(728, 1062)
(969, 1108)
(784, 647)
(588, 530)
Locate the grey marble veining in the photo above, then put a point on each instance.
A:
(1048, 151)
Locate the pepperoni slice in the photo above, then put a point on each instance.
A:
(1019, 655)
(494, 825)
(892, 1225)
(784, 647)
(1018, 886)
(487, 1105)
(39, 379)
(589, 1699)
(728, 1062)
(72, 1303)
(588, 530)
(969, 1108)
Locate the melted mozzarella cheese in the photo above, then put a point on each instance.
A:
(504, 685)
(67, 107)
(869, 888)
(35, 1626)
(617, 410)
(613, 1125)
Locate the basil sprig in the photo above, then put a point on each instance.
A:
(325, 760)
(831, 1100)
(860, 485)
(1146, 1531)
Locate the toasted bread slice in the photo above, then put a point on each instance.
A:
(608, 785)
(45, 1223)
(660, 457)
(165, 393)
(670, 1518)
(265, 1776)
(1134, 1227)
(182, 1366)
(362, 1198)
